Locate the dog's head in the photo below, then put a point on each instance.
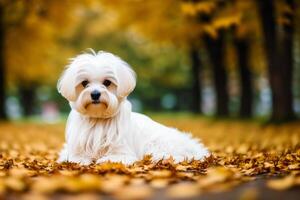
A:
(96, 84)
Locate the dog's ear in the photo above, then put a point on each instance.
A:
(66, 84)
(126, 80)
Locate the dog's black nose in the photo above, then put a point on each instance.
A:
(95, 95)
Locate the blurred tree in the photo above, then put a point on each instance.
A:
(31, 43)
(278, 36)
(197, 81)
(244, 36)
(2, 67)
(28, 98)
(215, 48)
(245, 75)
(216, 19)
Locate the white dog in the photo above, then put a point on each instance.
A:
(101, 126)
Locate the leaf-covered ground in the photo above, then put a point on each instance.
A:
(242, 152)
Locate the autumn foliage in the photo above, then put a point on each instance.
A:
(29, 169)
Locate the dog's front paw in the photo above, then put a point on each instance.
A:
(80, 160)
(63, 156)
(62, 159)
(126, 160)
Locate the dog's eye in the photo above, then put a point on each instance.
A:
(84, 83)
(107, 83)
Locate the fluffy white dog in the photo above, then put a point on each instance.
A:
(101, 126)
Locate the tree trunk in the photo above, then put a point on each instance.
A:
(27, 97)
(279, 63)
(2, 67)
(246, 86)
(285, 47)
(215, 47)
(197, 84)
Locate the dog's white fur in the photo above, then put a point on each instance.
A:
(109, 130)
